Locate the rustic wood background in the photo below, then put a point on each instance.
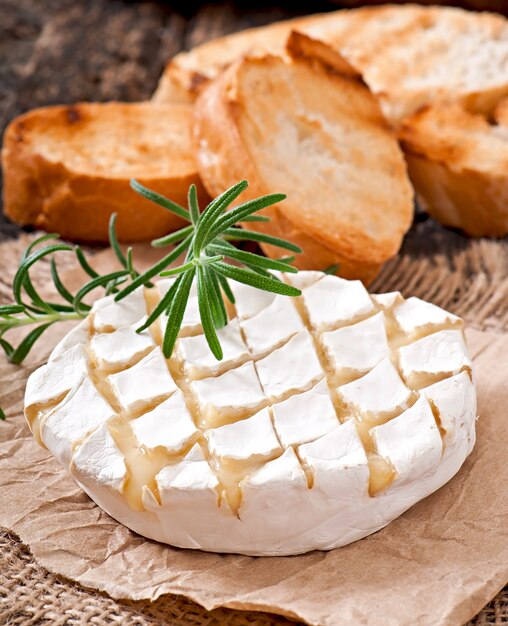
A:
(62, 51)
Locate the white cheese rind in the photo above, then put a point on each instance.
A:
(437, 355)
(56, 378)
(109, 315)
(338, 464)
(78, 335)
(305, 416)
(227, 395)
(332, 302)
(169, 425)
(99, 459)
(83, 410)
(250, 301)
(121, 347)
(293, 367)
(386, 300)
(146, 382)
(414, 315)
(315, 494)
(455, 400)
(359, 347)
(410, 442)
(243, 440)
(380, 392)
(272, 326)
(199, 360)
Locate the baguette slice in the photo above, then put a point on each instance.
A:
(410, 55)
(458, 163)
(309, 127)
(67, 168)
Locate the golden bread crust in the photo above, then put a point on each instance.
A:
(401, 51)
(67, 168)
(230, 133)
(458, 163)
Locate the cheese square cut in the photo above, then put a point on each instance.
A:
(144, 383)
(75, 417)
(227, 397)
(245, 440)
(410, 442)
(189, 483)
(455, 400)
(120, 348)
(198, 360)
(108, 315)
(169, 425)
(98, 459)
(55, 379)
(433, 358)
(414, 316)
(381, 392)
(250, 301)
(305, 416)
(359, 347)
(334, 302)
(273, 326)
(338, 463)
(294, 367)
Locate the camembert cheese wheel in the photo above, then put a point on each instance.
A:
(329, 415)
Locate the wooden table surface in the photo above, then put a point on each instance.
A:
(63, 51)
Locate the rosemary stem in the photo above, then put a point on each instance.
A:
(57, 316)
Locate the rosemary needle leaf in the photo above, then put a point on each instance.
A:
(240, 212)
(248, 277)
(225, 287)
(84, 263)
(60, 287)
(8, 349)
(113, 241)
(219, 313)
(36, 242)
(235, 234)
(193, 204)
(26, 345)
(176, 311)
(23, 269)
(205, 312)
(167, 240)
(11, 309)
(178, 270)
(142, 279)
(100, 281)
(252, 259)
(3, 417)
(332, 269)
(162, 306)
(212, 212)
(162, 201)
(256, 218)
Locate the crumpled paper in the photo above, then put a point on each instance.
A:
(437, 565)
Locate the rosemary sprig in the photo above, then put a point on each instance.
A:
(206, 243)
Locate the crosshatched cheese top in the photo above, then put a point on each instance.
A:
(330, 415)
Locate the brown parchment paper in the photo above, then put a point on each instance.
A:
(436, 565)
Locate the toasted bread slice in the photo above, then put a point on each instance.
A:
(410, 55)
(67, 168)
(315, 132)
(458, 162)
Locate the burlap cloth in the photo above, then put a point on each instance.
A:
(468, 277)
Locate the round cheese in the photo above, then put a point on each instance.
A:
(330, 415)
